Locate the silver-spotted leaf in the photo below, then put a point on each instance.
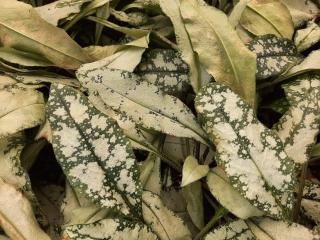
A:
(262, 17)
(274, 55)
(25, 109)
(252, 155)
(212, 35)
(161, 220)
(165, 69)
(144, 102)
(299, 126)
(307, 37)
(93, 152)
(109, 229)
(23, 29)
(310, 202)
(228, 197)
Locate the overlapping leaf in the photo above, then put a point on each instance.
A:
(299, 126)
(192, 171)
(252, 155)
(274, 55)
(307, 37)
(125, 92)
(93, 152)
(311, 201)
(212, 35)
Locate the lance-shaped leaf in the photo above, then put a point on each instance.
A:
(134, 18)
(116, 229)
(299, 126)
(151, 179)
(92, 151)
(57, 10)
(172, 9)
(311, 201)
(16, 215)
(192, 171)
(23, 29)
(161, 220)
(165, 69)
(307, 37)
(262, 228)
(212, 35)
(25, 109)
(228, 197)
(144, 102)
(274, 55)
(262, 17)
(252, 155)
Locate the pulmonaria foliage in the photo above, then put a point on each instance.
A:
(165, 69)
(110, 229)
(274, 55)
(311, 201)
(93, 152)
(299, 126)
(252, 155)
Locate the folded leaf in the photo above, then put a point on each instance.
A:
(172, 9)
(92, 151)
(299, 126)
(307, 37)
(16, 215)
(192, 171)
(267, 17)
(117, 229)
(212, 35)
(228, 197)
(145, 103)
(161, 220)
(57, 10)
(23, 29)
(274, 55)
(252, 155)
(23, 108)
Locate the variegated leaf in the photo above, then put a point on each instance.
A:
(252, 155)
(93, 152)
(165, 69)
(233, 64)
(109, 229)
(26, 109)
(142, 101)
(161, 220)
(228, 197)
(262, 228)
(307, 37)
(16, 215)
(57, 10)
(262, 17)
(310, 202)
(299, 126)
(192, 171)
(172, 9)
(274, 55)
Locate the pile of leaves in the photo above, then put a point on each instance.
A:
(159, 119)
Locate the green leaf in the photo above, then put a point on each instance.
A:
(161, 220)
(274, 55)
(16, 215)
(253, 156)
(109, 229)
(93, 152)
(145, 103)
(228, 197)
(299, 126)
(23, 108)
(192, 171)
(267, 17)
(307, 37)
(233, 64)
(16, 21)
(262, 228)
(165, 69)
(172, 9)
(57, 10)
